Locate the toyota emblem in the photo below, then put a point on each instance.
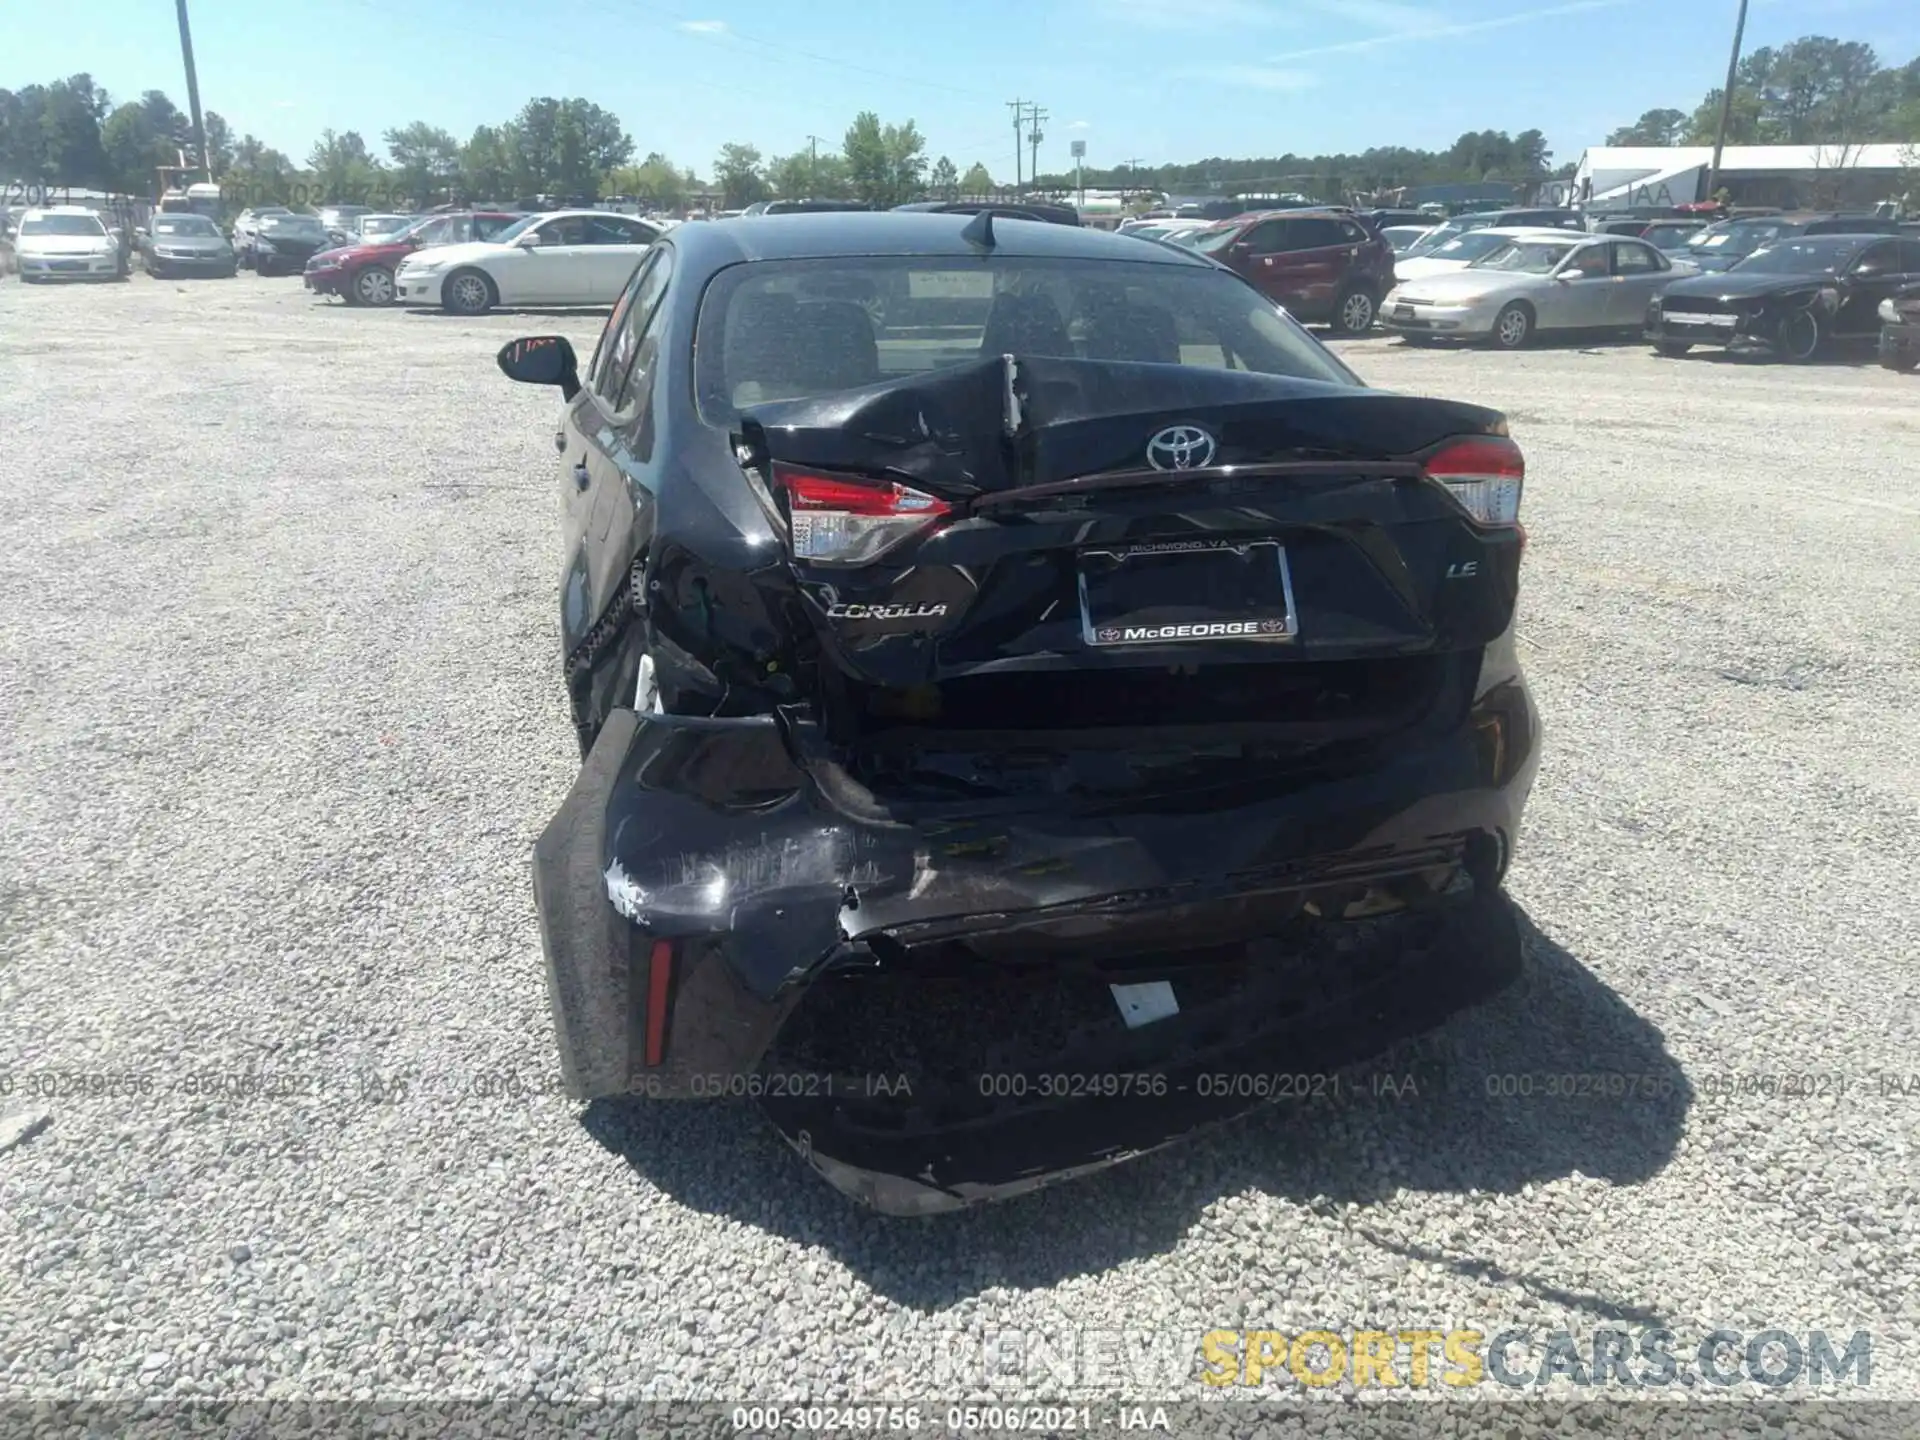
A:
(1180, 447)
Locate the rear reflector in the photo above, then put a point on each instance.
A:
(850, 520)
(659, 983)
(1485, 474)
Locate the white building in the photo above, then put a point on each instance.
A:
(1784, 175)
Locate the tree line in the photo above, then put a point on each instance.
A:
(1815, 90)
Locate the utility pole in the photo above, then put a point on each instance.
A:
(1726, 101)
(813, 166)
(1034, 136)
(1133, 169)
(1019, 108)
(193, 90)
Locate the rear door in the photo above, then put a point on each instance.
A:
(612, 464)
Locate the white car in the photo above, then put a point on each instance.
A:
(1462, 250)
(564, 257)
(67, 242)
(1558, 281)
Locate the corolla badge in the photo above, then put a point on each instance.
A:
(1180, 447)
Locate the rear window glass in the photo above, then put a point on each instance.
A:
(787, 330)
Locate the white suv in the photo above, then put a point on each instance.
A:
(67, 242)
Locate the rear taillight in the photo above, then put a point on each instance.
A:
(1484, 473)
(850, 520)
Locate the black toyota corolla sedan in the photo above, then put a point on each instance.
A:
(1792, 299)
(1034, 699)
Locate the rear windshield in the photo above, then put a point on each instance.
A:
(786, 330)
(61, 225)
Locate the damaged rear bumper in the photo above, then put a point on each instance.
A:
(703, 903)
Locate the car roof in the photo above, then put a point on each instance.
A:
(826, 234)
(59, 210)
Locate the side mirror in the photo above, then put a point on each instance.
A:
(541, 360)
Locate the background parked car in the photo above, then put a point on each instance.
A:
(812, 207)
(1404, 237)
(569, 257)
(66, 242)
(1672, 236)
(1020, 210)
(1791, 299)
(1462, 250)
(1382, 219)
(379, 224)
(1324, 266)
(363, 274)
(185, 245)
(1535, 283)
(1722, 246)
(282, 244)
(342, 221)
(1900, 327)
(247, 224)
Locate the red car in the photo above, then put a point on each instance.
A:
(363, 274)
(1323, 265)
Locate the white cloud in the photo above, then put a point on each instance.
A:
(1444, 29)
(703, 27)
(1261, 77)
(1081, 125)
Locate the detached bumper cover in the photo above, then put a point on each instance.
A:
(707, 835)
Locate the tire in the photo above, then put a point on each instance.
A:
(1799, 337)
(372, 286)
(1672, 349)
(1901, 362)
(1354, 312)
(1512, 327)
(468, 292)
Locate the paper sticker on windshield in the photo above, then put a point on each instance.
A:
(950, 284)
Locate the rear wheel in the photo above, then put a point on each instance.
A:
(468, 292)
(1353, 313)
(1672, 349)
(372, 286)
(1513, 326)
(1800, 337)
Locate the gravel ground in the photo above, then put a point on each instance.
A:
(277, 661)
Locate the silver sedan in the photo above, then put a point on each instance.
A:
(1534, 284)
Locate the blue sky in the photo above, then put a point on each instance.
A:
(1157, 80)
